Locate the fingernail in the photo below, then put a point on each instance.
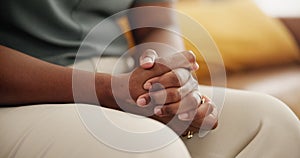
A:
(209, 119)
(147, 86)
(141, 102)
(202, 133)
(209, 122)
(195, 66)
(157, 110)
(207, 99)
(183, 116)
(147, 60)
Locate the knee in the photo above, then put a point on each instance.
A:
(270, 105)
(259, 106)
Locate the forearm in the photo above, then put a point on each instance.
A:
(165, 39)
(164, 42)
(27, 80)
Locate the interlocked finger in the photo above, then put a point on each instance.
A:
(185, 59)
(186, 104)
(173, 95)
(175, 78)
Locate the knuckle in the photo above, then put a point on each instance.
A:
(190, 56)
(204, 111)
(175, 78)
(193, 113)
(195, 99)
(192, 81)
(200, 114)
(174, 94)
(181, 75)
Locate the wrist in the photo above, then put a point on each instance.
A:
(104, 91)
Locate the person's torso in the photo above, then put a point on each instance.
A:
(48, 29)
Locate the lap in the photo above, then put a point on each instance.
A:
(251, 124)
(58, 131)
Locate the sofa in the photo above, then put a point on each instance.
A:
(260, 53)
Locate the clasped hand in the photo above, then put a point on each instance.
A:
(165, 89)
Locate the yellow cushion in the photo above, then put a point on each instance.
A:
(246, 37)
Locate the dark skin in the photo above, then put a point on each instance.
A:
(189, 103)
(26, 80)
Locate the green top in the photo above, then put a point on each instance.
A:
(53, 30)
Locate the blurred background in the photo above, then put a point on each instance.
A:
(259, 43)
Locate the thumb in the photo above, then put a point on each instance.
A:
(147, 59)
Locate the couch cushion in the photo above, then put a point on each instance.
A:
(280, 81)
(246, 37)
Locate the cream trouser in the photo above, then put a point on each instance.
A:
(250, 125)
